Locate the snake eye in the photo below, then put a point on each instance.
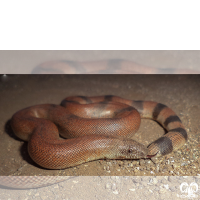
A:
(130, 151)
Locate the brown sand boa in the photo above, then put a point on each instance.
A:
(39, 126)
(96, 128)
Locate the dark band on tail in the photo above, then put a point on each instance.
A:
(171, 119)
(159, 107)
(182, 131)
(164, 144)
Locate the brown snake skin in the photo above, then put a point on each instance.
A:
(114, 119)
(113, 66)
(96, 128)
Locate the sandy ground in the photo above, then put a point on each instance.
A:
(179, 92)
(116, 179)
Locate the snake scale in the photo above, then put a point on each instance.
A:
(96, 128)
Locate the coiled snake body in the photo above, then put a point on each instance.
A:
(95, 128)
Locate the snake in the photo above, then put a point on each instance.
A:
(96, 128)
(111, 66)
(93, 128)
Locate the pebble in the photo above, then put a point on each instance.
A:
(166, 186)
(115, 192)
(114, 186)
(108, 185)
(162, 190)
(153, 181)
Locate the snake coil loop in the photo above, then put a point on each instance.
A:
(95, 128)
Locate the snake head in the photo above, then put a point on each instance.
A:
(130, 149)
